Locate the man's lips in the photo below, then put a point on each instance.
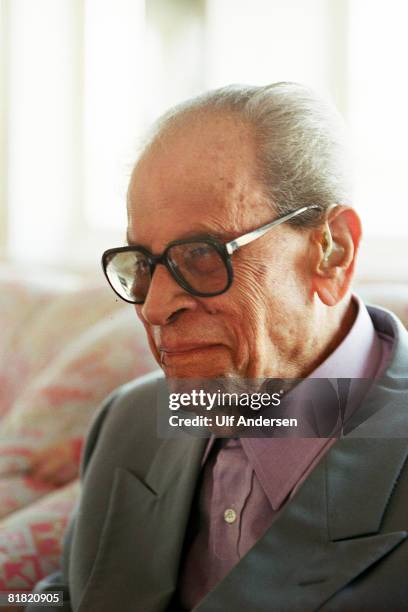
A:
(180, 350)
(184, 353)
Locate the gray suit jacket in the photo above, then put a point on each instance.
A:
(340, 545)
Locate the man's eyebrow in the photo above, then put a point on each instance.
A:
(192, 234)
(202, 234)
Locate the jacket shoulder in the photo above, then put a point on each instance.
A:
(124, 421)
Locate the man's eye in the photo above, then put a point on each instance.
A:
(203, 252)
(141, 266)
(202, 259)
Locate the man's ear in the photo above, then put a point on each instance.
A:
(334, 247)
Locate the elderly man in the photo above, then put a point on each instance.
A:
(242, 246)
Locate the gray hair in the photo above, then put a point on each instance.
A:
(301, 149)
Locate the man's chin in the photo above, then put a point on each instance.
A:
(215, 368)
(206, 363)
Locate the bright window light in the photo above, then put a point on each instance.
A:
(378, 103)
(114, 100)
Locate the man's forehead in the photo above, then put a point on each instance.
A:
(224, 221)
(200, 181)
(169, 219)
(206, 152)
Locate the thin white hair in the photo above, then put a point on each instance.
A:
(301, 148)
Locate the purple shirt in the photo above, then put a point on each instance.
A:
(246, 482)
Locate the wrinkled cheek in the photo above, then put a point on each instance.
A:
(250, 326)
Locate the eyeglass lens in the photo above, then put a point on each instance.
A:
(196, 264)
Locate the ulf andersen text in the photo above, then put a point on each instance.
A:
(230, 421)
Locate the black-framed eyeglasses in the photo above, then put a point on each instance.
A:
(201, 266)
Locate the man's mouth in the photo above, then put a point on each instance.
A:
(172, 352)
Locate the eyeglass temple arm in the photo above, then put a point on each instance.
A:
(233, 245)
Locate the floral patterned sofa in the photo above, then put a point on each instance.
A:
(64, 346)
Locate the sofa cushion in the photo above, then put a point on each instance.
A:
(39, 316)
(58, 403)
(30, 539)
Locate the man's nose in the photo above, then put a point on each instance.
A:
(165, 298)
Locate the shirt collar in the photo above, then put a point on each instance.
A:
(358, 354)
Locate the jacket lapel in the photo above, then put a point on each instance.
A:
(325, 537)
(143, 534)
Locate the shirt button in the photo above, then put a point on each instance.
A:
(230, 515)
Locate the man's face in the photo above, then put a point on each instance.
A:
(201, 180)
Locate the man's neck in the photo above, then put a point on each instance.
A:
(337, 324)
